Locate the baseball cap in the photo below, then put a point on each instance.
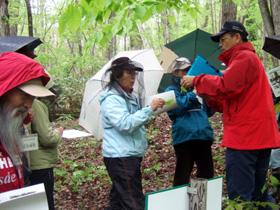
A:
(127, 64)
(230, 25)
(35, 88)
(180, 64)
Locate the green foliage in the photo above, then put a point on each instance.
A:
(238, 204)
(128, 13)
(5, 19)
(272, 181)
(71, 18)
(277, 107)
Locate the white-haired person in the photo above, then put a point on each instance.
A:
(21, 80)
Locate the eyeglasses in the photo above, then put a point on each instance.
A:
(224, 38)
(132, 73)
(230, 34)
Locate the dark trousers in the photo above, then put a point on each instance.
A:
(44, 176)
(246, 172)
(126, 192)
(188, 153)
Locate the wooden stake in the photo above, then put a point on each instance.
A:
(198, 201)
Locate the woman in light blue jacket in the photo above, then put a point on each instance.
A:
(124, 139)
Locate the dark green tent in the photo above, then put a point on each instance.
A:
(195, 43)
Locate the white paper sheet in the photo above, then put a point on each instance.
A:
(73, 133)
(31, 198)
(170, 101)
(274, 80)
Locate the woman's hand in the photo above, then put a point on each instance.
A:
(157, 103)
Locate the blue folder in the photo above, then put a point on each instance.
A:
(202, 66)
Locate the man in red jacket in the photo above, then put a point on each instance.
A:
(21, 80)
(243, 95)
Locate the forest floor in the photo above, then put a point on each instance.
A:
(81, 179)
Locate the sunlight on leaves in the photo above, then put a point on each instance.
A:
(73, 18)
(140, 11)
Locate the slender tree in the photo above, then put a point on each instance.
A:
(29, 15)
(229, 10)
(271, 19)
(4, 20)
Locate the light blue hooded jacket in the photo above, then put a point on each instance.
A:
(123, 122)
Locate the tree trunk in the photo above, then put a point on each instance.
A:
(165, 25)
(275, 12)
(4, 20)
(264, 61)
(270, 20)
(229, 11)
(267, 19)
(136, 42)
(15, 14)
(206, 20)
(212, 17)
(29, 15)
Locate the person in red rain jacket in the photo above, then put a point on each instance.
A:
(244, 97)
(21, 80)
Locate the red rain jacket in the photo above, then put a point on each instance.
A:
(16, 69)
(244, 96)
(9, 178)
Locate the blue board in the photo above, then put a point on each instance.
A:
(202, 66)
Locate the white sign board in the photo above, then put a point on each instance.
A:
(31, 198)
(177, 198)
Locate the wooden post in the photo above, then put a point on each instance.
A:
(198, 200)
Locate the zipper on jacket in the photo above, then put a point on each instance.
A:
(229, 116)
(228, 111)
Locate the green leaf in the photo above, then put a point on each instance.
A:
(171, 19)
(150, 3)
(85, 7)
(239, 206)
(107, 3)
(277, 107)
(73, 18)
(127, 25)
(147, 15)
(168, 102)
(100, 4)
(193, 12)
(160, 8)
(140, 11)
(183, 89)
(62, 24)
(104, 41)
(107, 28)
(186, 6)
(274, 181)
(114, 30)
(99, 36)
(107, 14)
(99, 18)
(120, 32)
